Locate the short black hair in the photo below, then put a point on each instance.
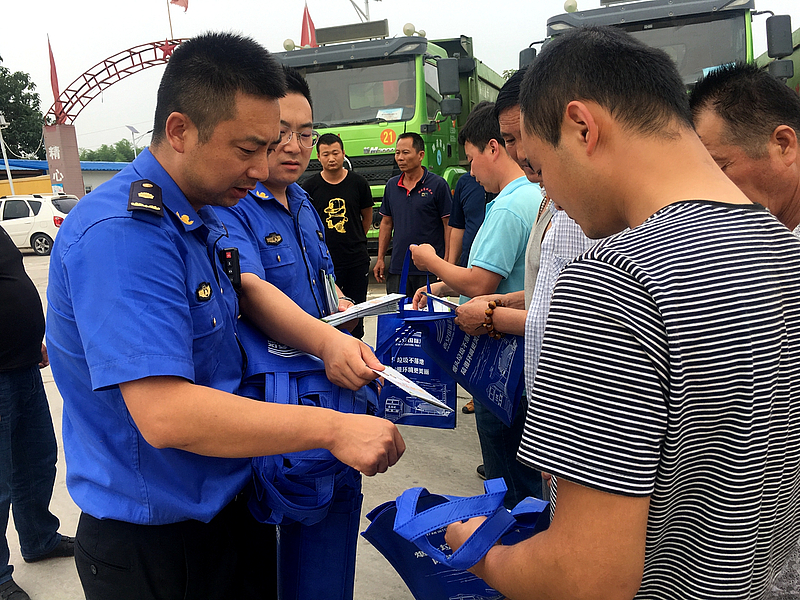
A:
(639, 85)
(508, 96)
(751, 103)
(481, 127)
(326, 139)
(297, 84)
(416, 140)
(204, 75)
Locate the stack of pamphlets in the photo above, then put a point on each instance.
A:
(370, 308)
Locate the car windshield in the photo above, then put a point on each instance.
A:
(362, 92)
(696, 44)
(64, 204)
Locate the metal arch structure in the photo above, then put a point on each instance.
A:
(108, 72)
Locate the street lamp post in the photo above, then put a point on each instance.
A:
(133, 139)
(3, 125)
(136, 139)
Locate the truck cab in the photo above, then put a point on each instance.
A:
(368, 92)
(699, 35)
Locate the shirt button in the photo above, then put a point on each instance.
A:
(304, 248)
(279, 258)
(214, 321)
(93, 568)
(314, 281)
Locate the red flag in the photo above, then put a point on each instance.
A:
(308, 37)
(183, 3)
(58, 106)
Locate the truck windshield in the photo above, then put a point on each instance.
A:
(362, 92)
(696, 44)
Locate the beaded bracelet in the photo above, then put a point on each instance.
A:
(487, 322)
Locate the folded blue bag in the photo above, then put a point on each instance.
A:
(409, 532)
(313, 497)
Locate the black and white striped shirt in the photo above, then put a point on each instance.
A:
(670, 367)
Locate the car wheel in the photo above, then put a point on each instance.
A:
(41, 244)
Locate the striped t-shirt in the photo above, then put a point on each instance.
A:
(670, 367)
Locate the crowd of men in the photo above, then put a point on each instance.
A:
(657, 285)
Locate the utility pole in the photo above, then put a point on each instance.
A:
(363, 15)
(3, 125)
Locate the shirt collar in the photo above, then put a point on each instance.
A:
(147, 167)
(294, 194)
(514, 185)
(420, 182)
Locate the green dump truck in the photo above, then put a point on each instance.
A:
(698, 35)
(369, 91)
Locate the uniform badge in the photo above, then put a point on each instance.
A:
(203, 292)
(273, 239)
(145, 196)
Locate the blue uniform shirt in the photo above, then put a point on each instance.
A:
(284, 247)
(134, 295)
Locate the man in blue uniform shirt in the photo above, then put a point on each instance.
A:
(280, 239)
(143, 347)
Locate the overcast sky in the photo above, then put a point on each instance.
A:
(85, 32)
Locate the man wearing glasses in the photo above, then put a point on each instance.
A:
(281, 240)
(279, 215)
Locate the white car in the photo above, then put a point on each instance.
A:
(33, 220)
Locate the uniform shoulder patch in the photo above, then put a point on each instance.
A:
(145, 196)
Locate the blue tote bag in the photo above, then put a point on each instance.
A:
(409, 532)
(313, 498)
(491, 370)
(400, 346)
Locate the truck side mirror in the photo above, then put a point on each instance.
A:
(526, 57)
(447, 69)
(450, 107)
(781, 69)
(779, 36)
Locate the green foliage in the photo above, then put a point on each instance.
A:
(20, 104)
(508, 73)
(121, 151)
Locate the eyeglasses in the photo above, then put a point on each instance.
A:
(307, 138)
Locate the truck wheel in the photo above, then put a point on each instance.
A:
(41, 244)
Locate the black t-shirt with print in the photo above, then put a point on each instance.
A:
(339, 206)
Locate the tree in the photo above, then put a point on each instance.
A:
(20, 104)
(508, 74)
(122, 151)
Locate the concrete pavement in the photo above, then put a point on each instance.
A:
(444, 461)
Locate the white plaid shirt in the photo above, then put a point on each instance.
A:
(563, 242)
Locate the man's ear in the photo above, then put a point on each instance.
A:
(494, 147)
(784, 139)
(180, 131)
(580, 125)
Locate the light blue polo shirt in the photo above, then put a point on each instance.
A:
(132, 295)
(500, 243)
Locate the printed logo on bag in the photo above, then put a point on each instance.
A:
(273, 239)
(203, 292)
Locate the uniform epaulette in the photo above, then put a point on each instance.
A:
(145, 198)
